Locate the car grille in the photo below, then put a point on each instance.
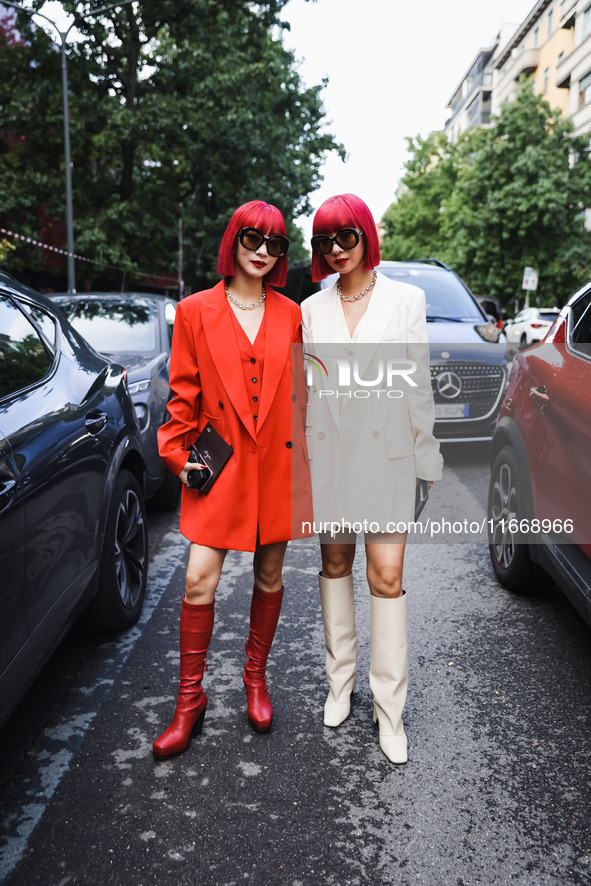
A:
(482, 386)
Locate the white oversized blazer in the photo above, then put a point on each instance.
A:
(368, 444)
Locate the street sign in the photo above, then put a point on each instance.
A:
(530, 279)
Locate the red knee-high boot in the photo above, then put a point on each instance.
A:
(196, 630)
(264, 615)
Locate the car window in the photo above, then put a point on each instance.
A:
(24, 359)
(113, 326)
(581, 325)
(446, 297)
(45, 322)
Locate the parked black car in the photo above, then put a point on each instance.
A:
(135, 329)
(72, 517)
(470, 363)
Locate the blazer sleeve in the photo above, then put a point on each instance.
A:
(428, 459)
(179, 432)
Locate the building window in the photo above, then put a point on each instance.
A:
(587, 21)
(585, 90)
(537, 35)
(546, 82)
(561, 58)
(550, 23)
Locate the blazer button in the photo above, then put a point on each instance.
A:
(220, 404)
(375, 433)
(252, 360)
(321, 435)
(294, 397)
(253, 380)
(289, 444)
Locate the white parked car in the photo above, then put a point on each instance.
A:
(530, 325)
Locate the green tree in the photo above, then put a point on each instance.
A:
(413, 223)
(504, 198)
(181, 109)
(519, 200)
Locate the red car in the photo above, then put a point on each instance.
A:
(539, 503)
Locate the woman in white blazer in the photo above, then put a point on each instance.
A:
(370, 440)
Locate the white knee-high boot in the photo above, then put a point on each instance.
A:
(338, 616)
(388, 672)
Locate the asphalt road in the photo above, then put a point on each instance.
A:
(497, 787)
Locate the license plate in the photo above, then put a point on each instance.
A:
(452, 410)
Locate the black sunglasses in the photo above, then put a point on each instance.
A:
(348, 238)
(251, 238)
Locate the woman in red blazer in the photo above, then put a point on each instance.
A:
(231, 366)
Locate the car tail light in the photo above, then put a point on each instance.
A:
(537, 325)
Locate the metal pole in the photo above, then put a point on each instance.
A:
(68, 171)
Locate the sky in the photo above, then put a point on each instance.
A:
(392, 67)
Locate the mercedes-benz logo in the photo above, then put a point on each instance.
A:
(449, 384)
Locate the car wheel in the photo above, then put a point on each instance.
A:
(166, 497)
(509, 551)
(523, 339)
(124, 561)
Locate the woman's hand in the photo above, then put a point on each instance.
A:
(190, 466)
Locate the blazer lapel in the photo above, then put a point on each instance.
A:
(277, 351)
(373, 324)
(219, 332)
(324, 348)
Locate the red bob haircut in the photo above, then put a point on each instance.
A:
(268, 220)
(345, 211)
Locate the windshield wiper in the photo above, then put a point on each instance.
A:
(441, 317)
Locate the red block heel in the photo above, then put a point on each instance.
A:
(264, 615)
(196, 630)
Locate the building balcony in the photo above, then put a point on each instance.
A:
(579, 58)
(568, 13)
(522, 63)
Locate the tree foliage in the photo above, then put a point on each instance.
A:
(180, 109)
(412, 225)
(505, 198)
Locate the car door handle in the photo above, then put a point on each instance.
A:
(540, 396)
(96, 421)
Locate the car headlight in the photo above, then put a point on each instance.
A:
(137, 386)
(490, 332)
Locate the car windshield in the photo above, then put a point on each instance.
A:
(113, 326)
(446, 297)
(549, 315)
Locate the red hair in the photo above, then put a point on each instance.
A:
(268, 220)
(345, 211)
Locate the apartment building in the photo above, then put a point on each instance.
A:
(574, 70)
(470, 104)
(537, 49)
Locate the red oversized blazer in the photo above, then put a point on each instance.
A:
(265, 486)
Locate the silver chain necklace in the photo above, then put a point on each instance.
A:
(360, 294)
(249, 307)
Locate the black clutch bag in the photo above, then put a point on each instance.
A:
(421, 497)
(209, 449)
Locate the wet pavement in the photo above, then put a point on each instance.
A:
(496, 791)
